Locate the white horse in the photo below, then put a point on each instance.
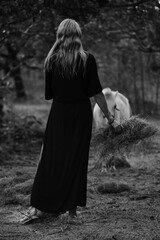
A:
(118, 106)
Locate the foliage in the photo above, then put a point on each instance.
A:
(21, 128)
(28, 28)
(19, 134)
(136, 22)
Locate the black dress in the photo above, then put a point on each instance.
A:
(60, 182)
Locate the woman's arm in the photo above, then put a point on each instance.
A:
(100, 100)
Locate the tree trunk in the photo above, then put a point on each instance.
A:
(1, 110)
(16, 74)
(119, 71)
(1, 105)
(142, 80)
(157, 96)
(19, 86)
(136, 94)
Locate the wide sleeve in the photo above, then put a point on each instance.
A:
(48, 84)
(94, 85)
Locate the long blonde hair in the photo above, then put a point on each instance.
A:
(66, 48)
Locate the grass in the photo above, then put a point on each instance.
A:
(15, 186)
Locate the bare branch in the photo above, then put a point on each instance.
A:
(3, 79)
(3, 55)
(127, 5)
(28, 28)
(2, 39)
(32, 67)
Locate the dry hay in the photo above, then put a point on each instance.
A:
(18, 194)
(113, 187)
(134, 130)
(15, 187)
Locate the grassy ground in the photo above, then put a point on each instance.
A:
(126, 215)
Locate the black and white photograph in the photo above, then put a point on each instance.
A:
(80, 120)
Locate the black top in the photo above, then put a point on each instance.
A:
(80, 87)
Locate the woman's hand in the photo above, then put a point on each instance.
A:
(117, 127)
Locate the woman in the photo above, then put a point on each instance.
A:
(71, 78)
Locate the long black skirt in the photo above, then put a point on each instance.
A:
(60, 182)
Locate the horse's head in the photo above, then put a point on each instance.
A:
(110, 97)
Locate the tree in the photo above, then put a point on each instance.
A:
(27, 28)
(24, 29)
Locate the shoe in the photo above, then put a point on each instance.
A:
(31, 215)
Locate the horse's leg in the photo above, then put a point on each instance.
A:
(104, 167)
(113, 162)
(106, 164)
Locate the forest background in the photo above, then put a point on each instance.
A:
(123, 35)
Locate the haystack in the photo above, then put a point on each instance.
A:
(134, 130)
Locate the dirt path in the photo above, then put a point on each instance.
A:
(129, 215)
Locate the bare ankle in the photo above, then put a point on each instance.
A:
(73, 212)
